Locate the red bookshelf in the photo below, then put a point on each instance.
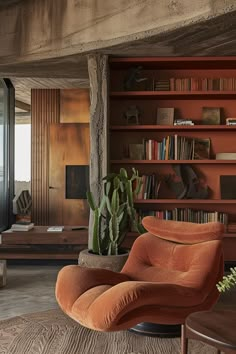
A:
(172, 127)
(187, 104)
(168, 162)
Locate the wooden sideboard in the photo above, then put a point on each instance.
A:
(38, 243)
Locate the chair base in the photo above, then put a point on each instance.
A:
(157, 330)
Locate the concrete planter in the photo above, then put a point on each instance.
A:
(3, 273)
(90, 260)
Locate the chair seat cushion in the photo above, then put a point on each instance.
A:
(183, 232)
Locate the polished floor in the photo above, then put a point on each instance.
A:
(31, 289)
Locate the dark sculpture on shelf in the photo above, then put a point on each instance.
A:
(133, 79)
(132, 115)
(186, 184)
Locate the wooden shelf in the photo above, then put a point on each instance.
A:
(173, 94)
(156, 127)
(176, 63)
(166, 162)
(185, 201)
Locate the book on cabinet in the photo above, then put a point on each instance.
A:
(194, 83)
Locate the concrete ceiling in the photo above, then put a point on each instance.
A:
(213, 36)
(23, 86)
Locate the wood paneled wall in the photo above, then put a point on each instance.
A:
(45, 104)
(74, 106)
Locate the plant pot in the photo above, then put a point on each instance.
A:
(91, 260)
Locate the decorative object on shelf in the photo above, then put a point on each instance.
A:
(136, 151)
(230, 121)
(176, 183)
(115, 212)
(183, 122)
(23, 203)
(196, 186)
(132, 115)
(133, 79)
(186, 184)
(228, 187)
(165, 116)
(211, 115)
(201, 149)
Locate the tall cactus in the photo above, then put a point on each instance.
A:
(115, 213)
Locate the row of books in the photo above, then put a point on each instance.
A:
(195, 84)
(150, 187)
(176, 147)
(185, 214)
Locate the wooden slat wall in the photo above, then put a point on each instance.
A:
(45, 109)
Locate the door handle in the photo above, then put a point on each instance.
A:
(50, 187)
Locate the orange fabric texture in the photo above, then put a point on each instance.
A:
(162, 281)
(183, 232)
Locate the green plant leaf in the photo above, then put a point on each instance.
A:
(115, 202)
(91, 201)
(123, 173)
(95, 243)
(108, 204)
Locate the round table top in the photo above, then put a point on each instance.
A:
(219, 327)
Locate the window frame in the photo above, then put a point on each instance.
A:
(8, 140)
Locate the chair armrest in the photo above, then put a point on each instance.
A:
(125, 297)
(73, 281)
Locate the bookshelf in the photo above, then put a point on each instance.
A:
(219, 71)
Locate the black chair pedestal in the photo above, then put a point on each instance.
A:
(157, 330)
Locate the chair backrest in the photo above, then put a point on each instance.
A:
(156, 259)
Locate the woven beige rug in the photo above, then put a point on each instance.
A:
(51, 332)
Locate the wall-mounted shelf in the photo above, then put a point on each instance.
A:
(173, 128)
(185, 201)
(167, 162)
(228, 95)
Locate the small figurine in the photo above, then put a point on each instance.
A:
(132, 115)
(133, 78)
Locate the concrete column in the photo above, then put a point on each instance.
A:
(98, 77)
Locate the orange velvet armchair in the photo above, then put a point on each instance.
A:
(172, 271)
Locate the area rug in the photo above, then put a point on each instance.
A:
(51, 332)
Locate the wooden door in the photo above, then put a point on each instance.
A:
(69, 145)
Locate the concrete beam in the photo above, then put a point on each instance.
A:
(37, 30)
(22, 105)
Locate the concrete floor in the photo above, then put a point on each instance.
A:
(31, 289)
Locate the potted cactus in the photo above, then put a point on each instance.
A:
(112, 220)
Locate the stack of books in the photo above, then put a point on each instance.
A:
(183, 122)
(231, 227)
(22, 226)
(162, 85)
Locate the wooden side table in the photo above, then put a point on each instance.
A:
(216, 328)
